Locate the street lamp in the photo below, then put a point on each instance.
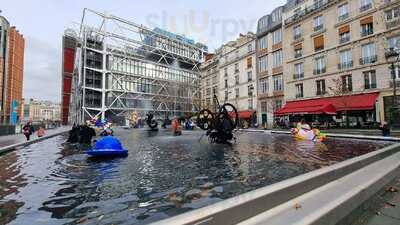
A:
(393, 54)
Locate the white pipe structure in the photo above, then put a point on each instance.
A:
(123, 67)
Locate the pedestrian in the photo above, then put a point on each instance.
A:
(28, 130)
(385, 129)
(40, 133)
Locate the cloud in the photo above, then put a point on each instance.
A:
(42, 70)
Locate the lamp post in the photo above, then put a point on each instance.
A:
(392, 54)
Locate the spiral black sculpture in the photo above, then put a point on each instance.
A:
(219, 125)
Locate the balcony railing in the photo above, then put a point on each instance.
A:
(319, 27)
(319, 71)
(396, 81)
(316, 6)
(345, 39)
(370, 86)
(368, 60)
(365, 7)
(298, 76)
(321, 92)
(393, 23)
(367, 32)
(299, 95)
(297, 37)
(298, 55)
(344, 16)
(345, 65)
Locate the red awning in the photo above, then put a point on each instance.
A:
(330, 105)
(312, 107)
(246, 114)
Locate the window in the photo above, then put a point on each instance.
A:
(368, 54)
(250, 101)
(263, 42)
(367, 26)
(264, 85)
(226, 83)
(278, 83)
(394, 42)
(319, 43)
(396, 73)
(297, 32)
(365, 5)
(276, 16)
(318, 23)
(319, 65)
(299, 91)
(225, 72)
(226, 95)
(346, 59)
(249, 62)
(298, 71)
(249, 76)
(321, 88)
(250, 89)
(298, 50)
(347, 83)
(343, 12)
(237, 92)
(236, 79)
(370, 79)
(276, 36)
(263, 62)
(264, 106)
(250, 47)
(278, 105)
(298, 53)
(277, 59)
(236, 68)
(344, 34)
(393, 14)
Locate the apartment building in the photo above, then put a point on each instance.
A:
(335, 60)
(39, 111)
(270, 66)
(12, 45)
(237, 68)
(230, 74)
(209, 80)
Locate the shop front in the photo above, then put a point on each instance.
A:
(356, 111)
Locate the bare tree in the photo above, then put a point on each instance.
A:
(341, 89)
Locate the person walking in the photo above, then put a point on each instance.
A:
(40, 133)
(385, 129)
(28, 130)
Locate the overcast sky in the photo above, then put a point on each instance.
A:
(43, 22)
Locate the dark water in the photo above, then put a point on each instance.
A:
(47, 183)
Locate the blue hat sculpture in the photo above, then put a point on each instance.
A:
(108, 147)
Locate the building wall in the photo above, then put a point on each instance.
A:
(333, 47)
(68, 60)
(16, 46)
(239, 56)
(270, 99)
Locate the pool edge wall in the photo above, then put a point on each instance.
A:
(13, 147)
(242, 207)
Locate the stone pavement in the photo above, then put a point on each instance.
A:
(384, 209)
(18, 138)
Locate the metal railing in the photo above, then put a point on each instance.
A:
(345, 65)
(319, 71)
(344, 39)
(298, 76)
(368, 60)
(365, 7)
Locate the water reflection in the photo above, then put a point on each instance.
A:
(163, 176)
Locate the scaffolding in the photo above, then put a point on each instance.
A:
(123, 68)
